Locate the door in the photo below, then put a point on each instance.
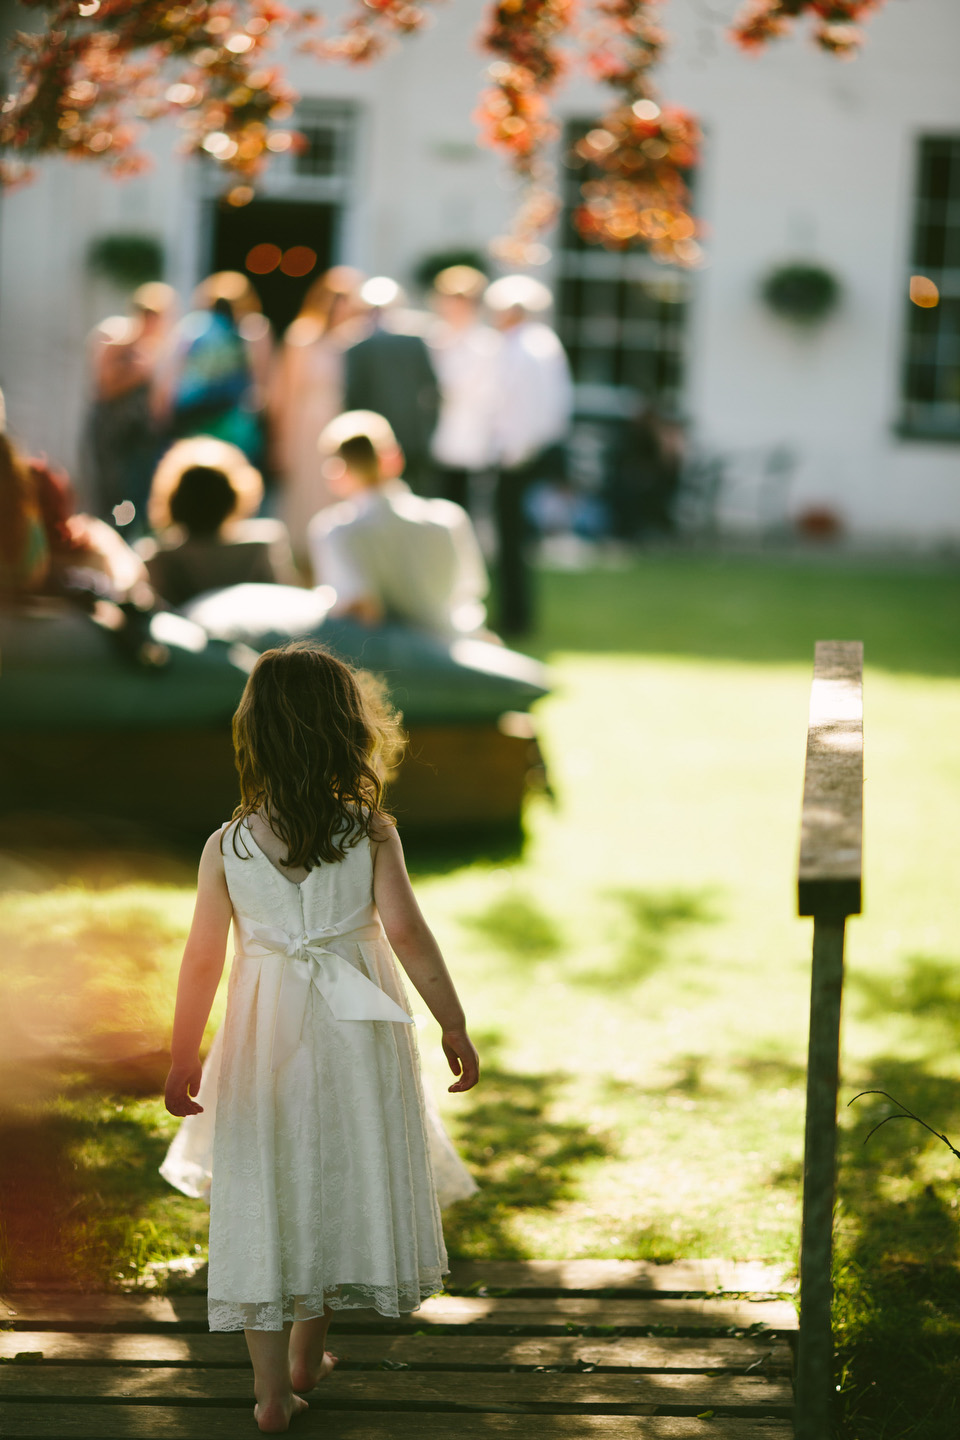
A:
(281, 246)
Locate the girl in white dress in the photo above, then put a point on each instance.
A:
(323, 1194)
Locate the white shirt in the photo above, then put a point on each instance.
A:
(534, 399)
(419, 559)
(466, 366)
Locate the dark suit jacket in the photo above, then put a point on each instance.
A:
(391, 373)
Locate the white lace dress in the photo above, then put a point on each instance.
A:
(322, 1189)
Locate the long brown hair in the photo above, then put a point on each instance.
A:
(312, 740)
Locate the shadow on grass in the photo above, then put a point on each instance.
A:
(81, 1199)
(685, 1077)
(518, 927)
(688, 1079)
(83, 1203)
(897, 1307)
(522, 1157)
(771, 1071)
(650, 922)
(761, 610)
(928, 989)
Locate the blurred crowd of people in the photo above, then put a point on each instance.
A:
(348, 453)
(475, 385)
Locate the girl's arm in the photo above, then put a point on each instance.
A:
(200, 973)
(419, 954)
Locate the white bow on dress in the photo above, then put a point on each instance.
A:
(310, 961)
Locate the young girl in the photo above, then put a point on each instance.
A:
(322, 1196)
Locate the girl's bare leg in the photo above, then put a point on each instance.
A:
(276, 1403)
(309, 1361)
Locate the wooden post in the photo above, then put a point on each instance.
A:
(829, 886)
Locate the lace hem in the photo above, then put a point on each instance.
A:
(388, 1300)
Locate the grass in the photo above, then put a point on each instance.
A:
(634, 971)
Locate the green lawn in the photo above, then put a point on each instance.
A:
(634, 972)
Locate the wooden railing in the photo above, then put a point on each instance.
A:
(829, 889)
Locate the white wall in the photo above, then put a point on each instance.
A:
(48, 300)
(806, 157)
(809, 157)
(423, 184)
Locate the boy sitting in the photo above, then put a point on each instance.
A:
(390, 554)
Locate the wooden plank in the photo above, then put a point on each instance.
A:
(450, 1352)
(829, 889)
(168, 1422)
(815, 1352)
(35, 1307)
(831, 836)
(529, 1391)
(132, 1312)
(117, 1348)
(684, 1277)
(552, 1313)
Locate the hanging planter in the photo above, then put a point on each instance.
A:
(127, 259)
(803, 293)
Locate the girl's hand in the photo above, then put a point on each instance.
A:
(462, 1058)
(183, 1082)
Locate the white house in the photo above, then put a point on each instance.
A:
(854, 167)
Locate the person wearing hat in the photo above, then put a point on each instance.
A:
(532, 413)
(390, 373)
(464, 354)
(203, 495)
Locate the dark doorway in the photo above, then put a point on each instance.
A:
(271, 242)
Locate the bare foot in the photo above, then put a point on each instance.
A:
(274, 1416)
(304, 1376)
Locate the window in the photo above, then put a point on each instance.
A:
(621, 314)
(327, 130)
(931, 372)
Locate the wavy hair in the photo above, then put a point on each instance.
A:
(313, 739)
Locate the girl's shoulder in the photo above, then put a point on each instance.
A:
(211, 858)
(231, 838)
(381, 829)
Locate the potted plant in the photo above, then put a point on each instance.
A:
(801, 291)
(127, 259)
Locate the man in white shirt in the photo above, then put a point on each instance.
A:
(464, 353)
(534, 405)
(390, 554)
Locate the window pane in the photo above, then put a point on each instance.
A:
(595, 367)
(325, 131)
(935, 170)
(931, 373)
(621, 316)
(930, 248)
(320, 155)
(639, 371)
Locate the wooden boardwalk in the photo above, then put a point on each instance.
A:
(572, 1350)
